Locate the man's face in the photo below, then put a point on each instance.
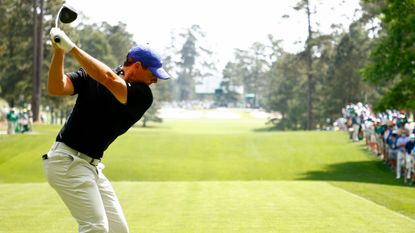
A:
(136, 72)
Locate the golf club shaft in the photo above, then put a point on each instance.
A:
(57, 16)
(57, 39)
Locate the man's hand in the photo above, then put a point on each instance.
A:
(58, 37)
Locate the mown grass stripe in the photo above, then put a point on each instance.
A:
(380, 206)
(211, 206)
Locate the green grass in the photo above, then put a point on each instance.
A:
(237, 206)
(217, 176)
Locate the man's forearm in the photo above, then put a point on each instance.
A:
(56, 73)
(101, 73)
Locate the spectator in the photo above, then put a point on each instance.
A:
(24, 121)
(12, 118)
(401, 121)
(373, 140)
(409, 159)
(401, 153)
(386, 139)
(392, 149)
(379, 131)
(356, 126)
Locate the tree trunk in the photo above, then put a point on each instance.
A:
(52, 115)
(144, 122)
(37, 56)
(310, 84)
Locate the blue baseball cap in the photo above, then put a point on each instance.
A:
(148, 57)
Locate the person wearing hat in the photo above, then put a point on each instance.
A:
(107, 105)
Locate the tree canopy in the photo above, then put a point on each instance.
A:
(391, 63)
(304, 88)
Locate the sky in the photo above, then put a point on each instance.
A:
(228, 24)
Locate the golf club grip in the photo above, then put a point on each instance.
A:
(57, 39)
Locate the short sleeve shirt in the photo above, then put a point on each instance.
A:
(98, 118)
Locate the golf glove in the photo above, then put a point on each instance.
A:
(61, 39)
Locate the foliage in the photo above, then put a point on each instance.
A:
(16, 51)
(391, 62)
(119, 39)
(322, 77)
(332, 76)
(108, 43)
(94, 41)
(229, 85)
(286, 94)
(189, 54)
(192, 61)
(344, 84)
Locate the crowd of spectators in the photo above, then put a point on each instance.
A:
(18, 120)
(390, 135)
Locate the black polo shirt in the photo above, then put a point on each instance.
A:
(98, 118)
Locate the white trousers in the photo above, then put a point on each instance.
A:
(356, 132)
(11, 127)
(400, 161)
(409, 165)
(86, 192)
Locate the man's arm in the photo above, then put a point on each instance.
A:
(93, 67)
(102, 74)
(58, 83)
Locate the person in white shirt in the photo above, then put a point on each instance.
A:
(401, 143)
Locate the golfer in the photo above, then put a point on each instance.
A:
(107, 106)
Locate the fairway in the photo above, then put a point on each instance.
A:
(211, 175)
(238, 206)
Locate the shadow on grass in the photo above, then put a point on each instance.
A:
(139, 126)
(361, 171)
(266, 130)
(273, 129)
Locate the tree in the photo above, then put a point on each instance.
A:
(95, 42)
(286, 92)
(344, 79)
(25, 51)
(16, 51)
(391, 62)
(22, 61)
(188, 56)
(38, 15)
(324, 53)
(119, 39)
(304, 4)
(230, 84)
(250, 67)
(194, 63)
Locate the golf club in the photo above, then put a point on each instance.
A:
(66, 14)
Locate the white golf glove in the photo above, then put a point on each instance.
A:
(59, 37)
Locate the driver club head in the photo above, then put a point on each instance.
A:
(67, 14)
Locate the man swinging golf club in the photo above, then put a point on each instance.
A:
(107, 106)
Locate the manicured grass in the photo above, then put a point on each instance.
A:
(207, 150)
(226, 206)
(217, 176)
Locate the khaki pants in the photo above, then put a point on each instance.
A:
(86, 192)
